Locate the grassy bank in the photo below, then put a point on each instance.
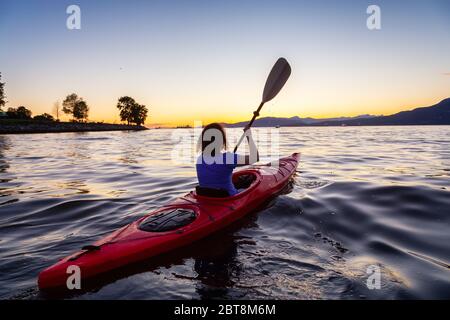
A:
(13, 126)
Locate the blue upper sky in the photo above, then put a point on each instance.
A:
(208, 59)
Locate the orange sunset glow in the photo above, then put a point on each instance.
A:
(185, 68)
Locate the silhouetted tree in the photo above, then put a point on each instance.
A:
(139, 114)
(81, 110)
(44, 117)
(131, 111)
(125, 104)
(69, 104)
(24, 113)
(2, 93)
(11, 113)
(56, 109)
(19, 113)
(75, 106)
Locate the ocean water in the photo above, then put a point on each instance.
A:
(368, 204)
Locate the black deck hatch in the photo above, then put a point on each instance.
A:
(168, 220)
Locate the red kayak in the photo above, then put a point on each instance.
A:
(181, 222)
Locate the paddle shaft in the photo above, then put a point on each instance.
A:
(255, 114)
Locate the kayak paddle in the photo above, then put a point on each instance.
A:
(275, 81)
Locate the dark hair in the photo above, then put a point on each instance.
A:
(205, 143)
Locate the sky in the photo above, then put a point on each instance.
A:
(208, 60)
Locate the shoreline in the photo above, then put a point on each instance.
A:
(30, 127)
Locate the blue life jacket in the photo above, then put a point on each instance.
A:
(216, 172)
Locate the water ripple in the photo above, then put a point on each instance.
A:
(362, 197)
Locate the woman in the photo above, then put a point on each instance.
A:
(215, 165)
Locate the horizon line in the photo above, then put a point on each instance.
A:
(66, 118)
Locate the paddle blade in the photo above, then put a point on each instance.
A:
(277, 78)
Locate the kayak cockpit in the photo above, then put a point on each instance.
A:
(244, 181)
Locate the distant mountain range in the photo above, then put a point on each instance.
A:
(438, 114)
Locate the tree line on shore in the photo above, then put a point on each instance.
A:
(130, 111)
